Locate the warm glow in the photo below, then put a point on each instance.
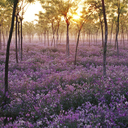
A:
(31, 10)
(76, 17)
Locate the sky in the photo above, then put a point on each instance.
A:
(31, 10)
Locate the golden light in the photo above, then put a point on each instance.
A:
(76, 17)
(31, 10)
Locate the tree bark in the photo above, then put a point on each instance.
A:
(57, 33)
(19, 39)
(8, 49)
(48, 37)
(53, 37)
(67, 42)
(77, 46)
(117, 32)
(21, 42)
(105, 43)
(16, 40)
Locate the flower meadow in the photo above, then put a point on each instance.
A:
(46, 90)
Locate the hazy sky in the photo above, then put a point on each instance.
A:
(32, 9)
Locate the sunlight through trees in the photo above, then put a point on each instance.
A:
(68, 67)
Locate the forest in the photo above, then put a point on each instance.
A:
(68, 69)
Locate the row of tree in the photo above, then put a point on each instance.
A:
(5, 21)
(53, 24)
(56, 12)
(17, 7)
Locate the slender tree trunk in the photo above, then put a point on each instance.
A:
(77, 46)
(96, 36)
(16, 40)
(54, 40)
(8, 49)
(105, 44)
(67, 41)
(60, 37)
(19, 39)
(57, 34)
(117, 32)
(21, 42)
(48, 37)
(101, 23)
(53, 37)
(44, 38)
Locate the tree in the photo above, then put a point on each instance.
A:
(66, 7)
(15, 2)
(16, 36)
(19, 18)
(105, 44)
(5, 10)
(120, 8)
(96, 6)
(117, 28)
(29, 29)
(80, 22)
(61, 8)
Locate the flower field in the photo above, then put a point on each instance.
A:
(46, 90)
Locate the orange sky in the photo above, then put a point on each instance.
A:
(33, 9)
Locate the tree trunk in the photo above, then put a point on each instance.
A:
(67, 42)
(16, 39)
(96, 36)
(21, 41)
(117, 32)
(44, 38)
(48, 37)
(57, 34)
(8, 49)
(53, 37)
(105, 44)
(77, 46)
(101, 23)
(60, 37)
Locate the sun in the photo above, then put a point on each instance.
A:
(76, 16)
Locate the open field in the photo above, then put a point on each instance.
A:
(47, 90)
